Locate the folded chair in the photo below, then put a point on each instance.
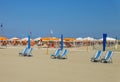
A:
(63, 55)
(97, 56)
(56, 54)
(107, 58)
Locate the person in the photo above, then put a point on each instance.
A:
(4, 43)
(39, 44)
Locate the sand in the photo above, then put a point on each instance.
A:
(41, 68)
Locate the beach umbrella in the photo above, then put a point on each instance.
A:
(108, 39)
(111, 39)
(25, 39)
(89, 39)
(50, 39)
(61, 42)
(55, 39)
(104, 41)
(28, 41)
(79, 39)
(37, 39)
(14, 39)
(45, 38)
(69, 39)
(3, 38)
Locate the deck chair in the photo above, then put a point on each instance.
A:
(97, 56)
(56, 54)
(107, 58)
(63, 55)
(24, 52)
(29, 53)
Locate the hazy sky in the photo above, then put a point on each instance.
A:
(72, 18)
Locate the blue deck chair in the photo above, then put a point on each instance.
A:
(97, 56)
(24, 52)
(29, 53)
(56, 54)
(107, 58)
(63, 55)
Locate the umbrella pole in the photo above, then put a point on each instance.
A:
(87, 44)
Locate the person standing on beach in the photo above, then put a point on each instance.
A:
(40, 43)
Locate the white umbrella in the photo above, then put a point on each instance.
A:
(14, 38)
(89, 39)
(108, 39)
(111, 39)
(37, 39)
(25, 39)
(79, 39)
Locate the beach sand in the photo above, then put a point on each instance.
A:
(41, 68)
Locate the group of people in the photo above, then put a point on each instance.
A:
(15, 43)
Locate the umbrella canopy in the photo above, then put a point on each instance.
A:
(69, 39)
(37, 39)
(79, 39)
(50, 39)
(3, 38)
(108, 39)
(25, 39)
(14, 39)
(89, 39)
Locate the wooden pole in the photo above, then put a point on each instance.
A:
(47, 51)
(87, 44)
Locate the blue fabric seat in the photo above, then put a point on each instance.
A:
(97, 56)
(107, 58)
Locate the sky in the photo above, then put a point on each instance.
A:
(72, 18)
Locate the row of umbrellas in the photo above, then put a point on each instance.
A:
(92, 39)
(57, 39)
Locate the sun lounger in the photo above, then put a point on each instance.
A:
(107, 58)
(24, 52)
(63, 55)
(97, 56)
(29, 53)
(56, 54)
